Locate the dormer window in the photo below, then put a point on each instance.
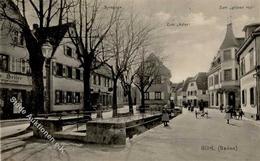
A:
(68, 51)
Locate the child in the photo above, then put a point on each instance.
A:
(241, 113)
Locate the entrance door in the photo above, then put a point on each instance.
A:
(231, 99)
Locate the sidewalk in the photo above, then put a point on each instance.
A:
(12, 130)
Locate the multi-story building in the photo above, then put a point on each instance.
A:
(181, 92)
(15, 72)
(66, 76)
(249, 59)
(223, 79)
(159, 91)
(198, 89)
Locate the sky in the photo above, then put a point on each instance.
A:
(190, 32)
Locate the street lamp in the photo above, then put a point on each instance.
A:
(47, 53)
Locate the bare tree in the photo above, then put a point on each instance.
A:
(45, 13)
(125, 38)
(146, 73)
(92, 23)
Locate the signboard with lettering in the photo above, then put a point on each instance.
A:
(10, 78)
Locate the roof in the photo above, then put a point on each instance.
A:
(251, 25)
(202, 80)
(104, 70)
(54, 34)
(162, 69)
(229, 40)
(185, 83)
(240, 40)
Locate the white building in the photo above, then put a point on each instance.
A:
(223, 79)
(249, 59)
(198, 89)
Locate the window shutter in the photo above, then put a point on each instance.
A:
(65, 71)
(81, 74)
(73, 73)
(54, 68)
(162, 95)
(64, 49)
(64, 97)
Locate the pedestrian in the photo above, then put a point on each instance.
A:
(196, 113)
(172, 105)
(221, 108)
(165, 117)
(228, 114)
(201, 105)
(241, 113)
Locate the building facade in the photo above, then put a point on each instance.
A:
(15, 72)
(249, 59)
(182, 92)
(197, 90)
(223, 78)
(160, 90)
(65, 76)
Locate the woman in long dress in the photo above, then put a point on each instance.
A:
(228, 115)
(165, 117)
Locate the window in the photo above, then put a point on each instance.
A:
(252, 96)
(228, 75)
(252, 62)
(157, 80)
(244, 97)
(77, 97)
(216, 79)
(69, 97)
(58, 97)
(59, 69)
(212, 99)
(158, 95)
(195, 93)
(94, 79)
(68, 51)
(3, 63)
(192, 84)
(227, 55)
(99, 80)
(203, 91)
(23, 66)
(146, 96)
(236, 74)
(242, 66)
(77, 74)
(69, 70)
(15, 37)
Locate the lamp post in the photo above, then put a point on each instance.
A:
(47, 52)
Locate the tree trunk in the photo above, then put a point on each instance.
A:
(130, 101)
(114, 104)
(36, 61)
(37, 91)
(87, 89)
(142, 110)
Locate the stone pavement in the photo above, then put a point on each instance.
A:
(186, 139)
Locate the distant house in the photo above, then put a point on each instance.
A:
(249, 59)
(181, 92)
(223, 79)
(159, 92)
(197, 89)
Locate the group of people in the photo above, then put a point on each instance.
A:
(232, 113)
